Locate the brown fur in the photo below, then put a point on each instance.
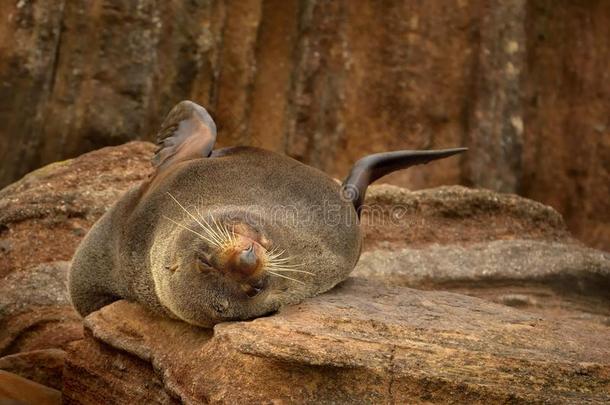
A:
(127, 253)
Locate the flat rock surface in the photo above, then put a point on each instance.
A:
(517, 260)
(558, 280)
(361, 342)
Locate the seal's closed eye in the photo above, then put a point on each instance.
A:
(203, 260)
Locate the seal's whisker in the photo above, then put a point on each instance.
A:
(276, 257)
(279, 269)
(280, 259)
(185, 210)
(276, 261)
(228, 238)
(285, 261)
(198, 212)
(218, 229)
(286, 277)
(226, 232)
(285, 265)
(233, 238)
(189, 229)
(275, 267)
(216, 239)
(208, 229)
(221, 239)
(225, 229)
(211, 233)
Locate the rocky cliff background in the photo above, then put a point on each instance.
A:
(524, 84)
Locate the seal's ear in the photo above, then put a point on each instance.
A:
(188, 132)
(373, 167)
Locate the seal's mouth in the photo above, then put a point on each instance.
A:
(254, 288)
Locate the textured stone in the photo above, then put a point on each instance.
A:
(501, 260)
(16, 390)
(375, 340)
(98, 374)
(566, 97)
(395, 218)
(360, 342)
(42, 366)
(44, 216)
(37, 321)
(496, 133)
(558, 280)
(35, 312)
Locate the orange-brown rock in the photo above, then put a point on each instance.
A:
(35, 311)
(395, 218)
(44, 215)
(361, 342)
(126, 378)
(16, 390)
(522, 82)
(42, 366)
(37, 322)
(566, 151)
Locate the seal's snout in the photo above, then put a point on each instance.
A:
(244, 258)
(245, 265)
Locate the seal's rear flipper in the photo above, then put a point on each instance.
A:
(188, 132)
(373, 167)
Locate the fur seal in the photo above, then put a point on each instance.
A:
(228, 234)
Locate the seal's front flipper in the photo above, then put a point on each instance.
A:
(373, 167)
(188, 132)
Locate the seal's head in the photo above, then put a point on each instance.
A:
(224, 267)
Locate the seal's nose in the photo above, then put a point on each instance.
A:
(247, 260)
(244, 258)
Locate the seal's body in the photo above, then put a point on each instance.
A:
(224, 235)
(132, 251)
